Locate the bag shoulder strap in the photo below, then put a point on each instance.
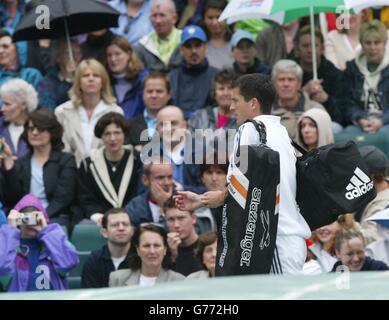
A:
(261, 129)
(298, 147)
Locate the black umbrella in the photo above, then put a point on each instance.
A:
(66, 18)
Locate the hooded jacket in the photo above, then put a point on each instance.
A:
(357, 81)
(323, 123)
(57, 256)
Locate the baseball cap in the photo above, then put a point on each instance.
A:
(375, 159)
(193, 32)
(240, 35)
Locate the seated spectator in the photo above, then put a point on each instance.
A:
(276, 42)
(182, 238)
(191, 83)
(13, 59)
(342, 45)
(176, 145)
(323, 248)
(19, 99)
(54, 89)
(328, 88)
(350, 250)
(11, 12)
(45, 171)
(291, 101)
(189, 12)
(366, 96)
(314, 129)
(158, 50)
(134, 20)
(151, 264)
(95, 45)
(377, 164)
(117, 229)
(379, 250)
(109, 177)
(90, 98)
(3, 217)
(127, 75)
(206, 253)
(158, 180)
(244, 53)
(219, 47)
(218, 118)
(220, 115)
(34, 255)
(156, 95)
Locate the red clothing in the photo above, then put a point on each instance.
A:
(222, 120)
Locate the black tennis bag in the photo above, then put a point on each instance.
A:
(331, 180)
(248, 227)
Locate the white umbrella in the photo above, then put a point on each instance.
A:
(359, 5)
(381, 217)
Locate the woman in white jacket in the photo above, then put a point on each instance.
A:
(90, 98)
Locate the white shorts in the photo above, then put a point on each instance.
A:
(289, 255)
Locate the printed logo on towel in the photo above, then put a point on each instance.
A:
(247, 243)
(360, 184)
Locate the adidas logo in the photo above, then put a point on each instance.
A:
(360, 184)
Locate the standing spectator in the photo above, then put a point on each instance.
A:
(158, 181)
(182, 238)
(19, 99)
(109, 177)
(151, 263)
(243, 50)
(90, 98)
(127, 75)
(276, 42)
(134, 20)
(366, 97)
(156, 95)
(13, 59)
(117, 229)
(350, 250)
(206, 253)
(291, 101)
(158, 50)
(219, 47)
(46, 171)
(342, 45)
(328, 88)
(191, 82)
(377, 164)
(34, 257)
(54, 89)
(95, 45)
(314, 129)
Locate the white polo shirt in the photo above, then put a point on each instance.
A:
(290, 221)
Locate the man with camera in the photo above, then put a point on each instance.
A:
(34, 255)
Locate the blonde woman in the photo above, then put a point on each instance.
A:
(90, 98)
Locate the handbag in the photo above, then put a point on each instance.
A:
(247, 229)
(331, 180)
